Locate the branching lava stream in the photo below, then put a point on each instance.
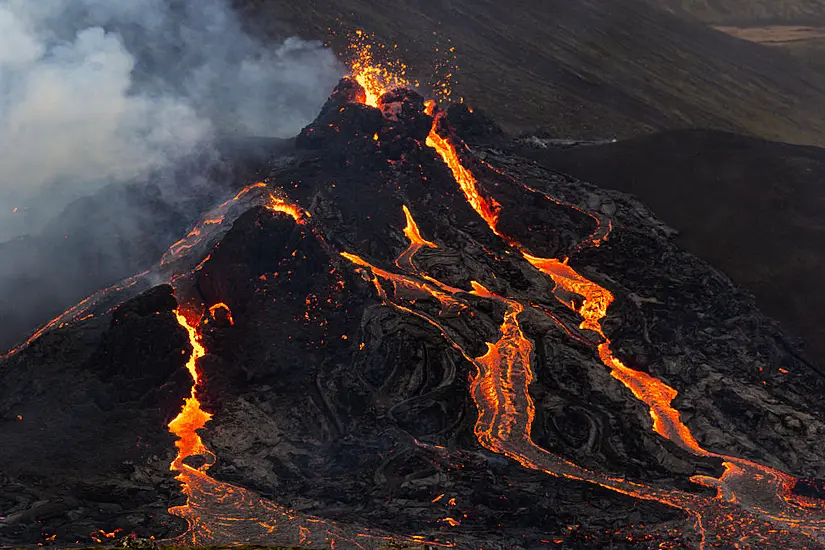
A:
(754, 507)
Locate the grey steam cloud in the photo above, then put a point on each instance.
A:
(99, 91)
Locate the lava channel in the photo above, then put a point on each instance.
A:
(753, 508)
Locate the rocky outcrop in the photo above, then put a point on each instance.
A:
(83, 438)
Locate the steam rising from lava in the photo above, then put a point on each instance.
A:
(95, 91)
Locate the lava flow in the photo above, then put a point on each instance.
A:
(754, 507)
(222, 513)
(225, 308)
(506, 412)
(202, 228)
(191, 418)
(487, 208)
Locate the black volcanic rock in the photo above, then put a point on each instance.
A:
(275, 276)
(83, 437)
(141, 328)
(473, 125)
(345, 125)
(347, 92)
(403, 113)
(349, 393)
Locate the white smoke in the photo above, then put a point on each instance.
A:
(96, 91)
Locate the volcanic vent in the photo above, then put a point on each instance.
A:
(399, 337)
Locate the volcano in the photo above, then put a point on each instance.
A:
(404, 336)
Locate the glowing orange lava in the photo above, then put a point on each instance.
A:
(277, 204)
(487, 208)
(376, 78)
(754, 507)
(225, 308)
(417, 242)
(100, 536)
(651, 391)
(247, 189)
(192, 417)
(215, 218)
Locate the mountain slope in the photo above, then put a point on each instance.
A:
(748, 12)
(390, 347)
(752, 208)
(589, 68)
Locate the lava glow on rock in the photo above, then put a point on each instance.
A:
(192, 417)
(222, 513)
(754, 507)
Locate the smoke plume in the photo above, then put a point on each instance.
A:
(100, 91)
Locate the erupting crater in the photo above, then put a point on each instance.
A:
(403, 338)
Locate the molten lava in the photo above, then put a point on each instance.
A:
(417, 242)
(375, 77)
(225, 308)
(215, 217)
(487, 208)
(277, 204)
(191, 418)
(754, 507)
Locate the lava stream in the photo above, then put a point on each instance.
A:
(754, 486)
(487, 208)
(745, 485)
(192, 417)
(506, 412)
(222, 513)
(417, 242)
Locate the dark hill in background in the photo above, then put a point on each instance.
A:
(589, 68)
(753, 208)
(795, 27)
(737, 12)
